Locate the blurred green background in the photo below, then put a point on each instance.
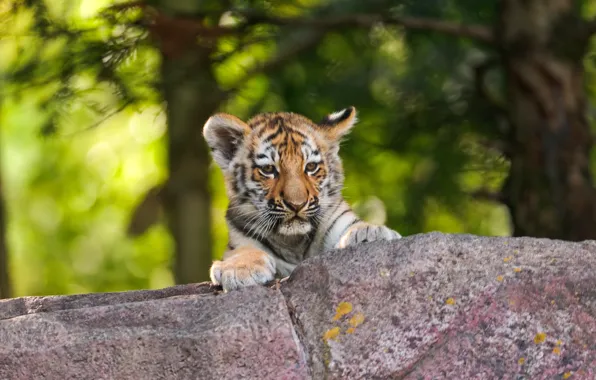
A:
(84, 128)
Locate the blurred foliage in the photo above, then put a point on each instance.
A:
(83, 129)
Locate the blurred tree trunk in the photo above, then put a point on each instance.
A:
(5, 285)
(549, 190)
(191, 93)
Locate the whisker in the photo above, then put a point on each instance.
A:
(256, 225)
(264, 226)
(254, 220)
(268, 226)
(247, 213)
(235, 207)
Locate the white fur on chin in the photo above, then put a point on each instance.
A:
(294, 227)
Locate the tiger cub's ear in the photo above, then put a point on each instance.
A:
(338, 124)
(224, 134)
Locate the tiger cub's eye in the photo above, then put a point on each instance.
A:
(311, 166)
(267, 169)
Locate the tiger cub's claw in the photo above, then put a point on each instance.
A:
(364, 232)
(244, 267)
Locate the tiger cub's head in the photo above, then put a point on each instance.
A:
(282, 170)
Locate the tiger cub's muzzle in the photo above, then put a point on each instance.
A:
(290, 209)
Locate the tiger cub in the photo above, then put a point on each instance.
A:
(284, 180)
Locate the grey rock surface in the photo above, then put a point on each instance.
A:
(430, 306)
(241, 335)
(440, 306)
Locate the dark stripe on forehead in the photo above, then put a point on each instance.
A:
(278, 124)
(278, 134)
(273, 135)
(293, 142)
(296, 132)
(269, 124)
(282, 148)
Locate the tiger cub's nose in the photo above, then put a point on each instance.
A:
(295, 206)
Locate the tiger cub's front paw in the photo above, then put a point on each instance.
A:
(364, 232)
(246, 266)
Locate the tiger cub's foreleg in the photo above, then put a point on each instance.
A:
(365, 232)
(242, 267)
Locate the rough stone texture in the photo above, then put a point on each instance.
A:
(245, 334)
(29, 305)
(450, 307)
(429, 306)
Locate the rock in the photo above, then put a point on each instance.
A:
(440, 306)
(245, 334)
(28, 305)
(430, 306)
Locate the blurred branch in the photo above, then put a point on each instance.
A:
(487, 195)
(474, 32)
(193, 26)
(161, 23)
(320, 26)
(176, 33)
(128, 5)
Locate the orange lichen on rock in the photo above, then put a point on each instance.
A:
(500, 278)
(357, 319)
(331, 334)
(350, 330)
(539, 338)
(521, 361)
(342, 309)
(557, 351)
(507, 259)
(567, 375)
(450, 301)
(517, 269)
